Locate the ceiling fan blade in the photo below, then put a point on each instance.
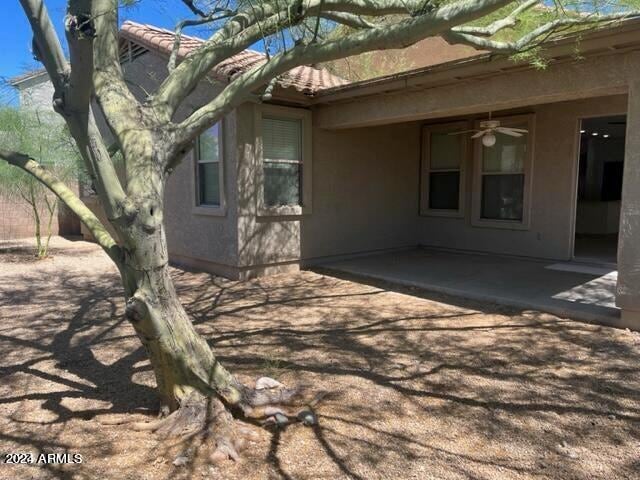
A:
(479, 134)
(461, 132)
(521, 130)
(507, 131)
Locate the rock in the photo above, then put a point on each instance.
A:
(308, 418)
(281, 419)
(564, 449)
(218, 456)
(267, 382)
(271, 411)
(181, 460)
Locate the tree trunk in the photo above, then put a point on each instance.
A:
(36, 219)
(181, 359)
(195, 390)
(51, 208)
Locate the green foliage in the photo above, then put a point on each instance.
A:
(373, 64)
(44, 137)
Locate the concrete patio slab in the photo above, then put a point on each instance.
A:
(517, 282)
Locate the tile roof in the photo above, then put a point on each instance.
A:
(304, 79)
(17, 80)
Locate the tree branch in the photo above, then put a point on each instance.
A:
(249, 26)
(213, 17)
(73, 89)
(348, 19)
(114, 97)
(529, 40)
(402, 34)
(102, 236)
(493, 28)
(46, 45)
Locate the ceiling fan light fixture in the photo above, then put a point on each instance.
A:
(489, 140)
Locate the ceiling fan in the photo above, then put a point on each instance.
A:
(488, 129)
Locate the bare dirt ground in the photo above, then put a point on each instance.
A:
(424, 387)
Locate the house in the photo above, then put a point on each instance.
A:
(330, 169)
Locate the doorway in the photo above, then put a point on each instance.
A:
(600, 172)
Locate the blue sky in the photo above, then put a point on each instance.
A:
(15, 34)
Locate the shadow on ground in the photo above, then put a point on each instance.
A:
(423, 386)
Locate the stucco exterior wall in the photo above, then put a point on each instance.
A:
(36, 93)
(365, 184)
(261, 240)
(196, 237)
(553, 196)
(199, 239)
(365, 193)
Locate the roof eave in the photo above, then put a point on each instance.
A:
(20, 79)
(612, 39)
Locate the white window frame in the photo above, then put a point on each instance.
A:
(426, 169)
(304, 116)
(203, 209)
(476, 218)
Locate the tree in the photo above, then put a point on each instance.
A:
(38, 132)
(192, 384)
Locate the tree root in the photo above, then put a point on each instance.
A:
(208, 417)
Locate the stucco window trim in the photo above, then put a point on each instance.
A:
(209, 210)
(425, 168)
(525, 223)
(307, 167)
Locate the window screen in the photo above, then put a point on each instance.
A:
(282, 161)
(208, 173)
(445, 158)
(503, 178)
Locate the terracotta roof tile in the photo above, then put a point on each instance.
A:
(305, 79)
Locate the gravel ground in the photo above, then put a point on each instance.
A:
(423, 386)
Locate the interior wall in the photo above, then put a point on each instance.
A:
(594, 215)
(553, 195)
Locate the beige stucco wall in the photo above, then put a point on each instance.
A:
(365, 184)
(553, 195)
(366, 193)
(261, 240)
(208, 240)
(366, 180)
(199, 238)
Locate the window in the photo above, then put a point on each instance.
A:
(209, 171)
(442, 169)
(282, 161)
(283, 168)
(503, 172)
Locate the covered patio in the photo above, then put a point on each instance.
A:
(396, 129)
(568, 289)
